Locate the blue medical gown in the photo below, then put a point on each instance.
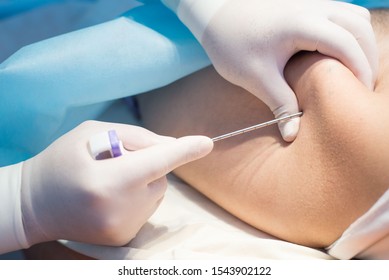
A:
(11, 7)
(49, 87)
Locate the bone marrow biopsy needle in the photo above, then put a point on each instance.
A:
(257, 126)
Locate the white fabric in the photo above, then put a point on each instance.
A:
(189, 226)
(12, 236)
(368, 236)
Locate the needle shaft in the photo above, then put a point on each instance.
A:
(254, 127)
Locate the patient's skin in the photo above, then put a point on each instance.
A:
(309, 191)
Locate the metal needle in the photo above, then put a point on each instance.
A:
(254, 127)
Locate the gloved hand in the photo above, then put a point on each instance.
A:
(66, 194)
(250, 41)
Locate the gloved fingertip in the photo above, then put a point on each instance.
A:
(204, 144)
(289, 129)
(207, 144)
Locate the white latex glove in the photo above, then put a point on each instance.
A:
(66, 194)
(12, 236)
(250, 41)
